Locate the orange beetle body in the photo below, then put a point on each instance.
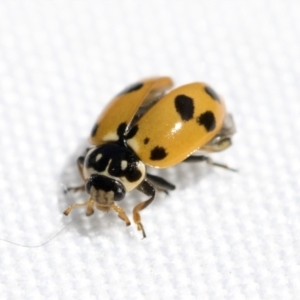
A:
(145, 126)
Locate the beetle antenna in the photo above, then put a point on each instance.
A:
(39, 245)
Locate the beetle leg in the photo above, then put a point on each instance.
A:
(121, 213)
(218, 145)
(89, 211)
(209, 161)
(146, 188)
(75, 188)
(80, 161)
(160, 183)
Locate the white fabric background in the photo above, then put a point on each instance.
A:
(220, 235)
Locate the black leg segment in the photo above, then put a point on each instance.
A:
(160, 183)
(201, 158)
(196, 158)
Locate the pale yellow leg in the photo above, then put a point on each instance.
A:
(90, 208)
(89, 203)
(121, 214)
(137, 216)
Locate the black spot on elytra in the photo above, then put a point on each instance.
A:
(94, 130)
(158, 153)
(212, 93)
(132, 88)
(146, 141)
(208, 120)
(185, 107)
(121, 130)
(132, 132)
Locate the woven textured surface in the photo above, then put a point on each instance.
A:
(220, 235)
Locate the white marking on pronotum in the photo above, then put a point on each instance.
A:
(124, 164)
(99, 156)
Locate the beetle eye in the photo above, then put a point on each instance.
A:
(119, 195)
(119, 191)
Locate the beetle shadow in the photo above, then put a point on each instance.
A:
(183, 176)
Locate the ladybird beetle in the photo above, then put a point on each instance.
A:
(145, 126)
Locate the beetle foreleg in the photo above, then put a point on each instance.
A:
(89, 211)
(121, 213)
(146, 188)
(80, 161)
